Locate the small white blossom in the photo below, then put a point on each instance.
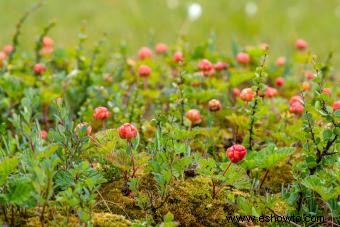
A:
(250, 8)
(194, 11)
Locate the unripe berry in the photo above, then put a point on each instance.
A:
(194, 116)
(39, 69)
(101, 113)
(236, 153)
(214, 105)
(127, 131)
(336, 105)
(144, 71)
(247, 94)
(264, 46)
(161, 48)
(82, 126)
(305, 86)
(144, 53)
(243, 58)
(280, 81)
(301, 44)
(178, 57)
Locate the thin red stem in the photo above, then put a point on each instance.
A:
(225, 171)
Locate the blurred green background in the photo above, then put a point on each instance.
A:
(278, 22)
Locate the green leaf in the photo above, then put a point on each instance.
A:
(337, 113)
(20, 191)
(7, 166)
(169, 217)
(327, 134)
(267, 157)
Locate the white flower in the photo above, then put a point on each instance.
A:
(194, 11)
(251, 8)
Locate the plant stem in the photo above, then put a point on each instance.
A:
(225, 171)
(264, 178)
(132, 159)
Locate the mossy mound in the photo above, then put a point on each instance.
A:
(118, 202)
(192, 204)
(109, 220)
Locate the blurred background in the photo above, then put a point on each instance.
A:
(139, 22)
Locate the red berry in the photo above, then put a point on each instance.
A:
(279, 81)
(101, 113)
(301, 44)
(144, 71)
(3, 56)
(247, 94)
(309, 75)
(336, 105)
(327, 91)
(270, 92)
(127, 131)
(144, 53)
(47, 42)
(296, 98)
(243, 58)
(43, 134)
(39, 69)
(209, 73)
(281, 61)
(219, 66)
(178, 57)
(8, 49)
(236, 153)
(236, 92)
(205, 65)
(161, 48)
(296, 108)
(214, 105)
(194, 116)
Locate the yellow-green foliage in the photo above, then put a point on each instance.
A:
(58, 220)
(192, 204)
(109, 220)
(117, 202)
(278, 176)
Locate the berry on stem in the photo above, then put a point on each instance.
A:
(127, 131)
(101, 113)
(236, 153)
(247, 94)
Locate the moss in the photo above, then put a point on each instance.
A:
(57, 221)
(117, 202)
(278, 176)
(108, 220)
(192, 204)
